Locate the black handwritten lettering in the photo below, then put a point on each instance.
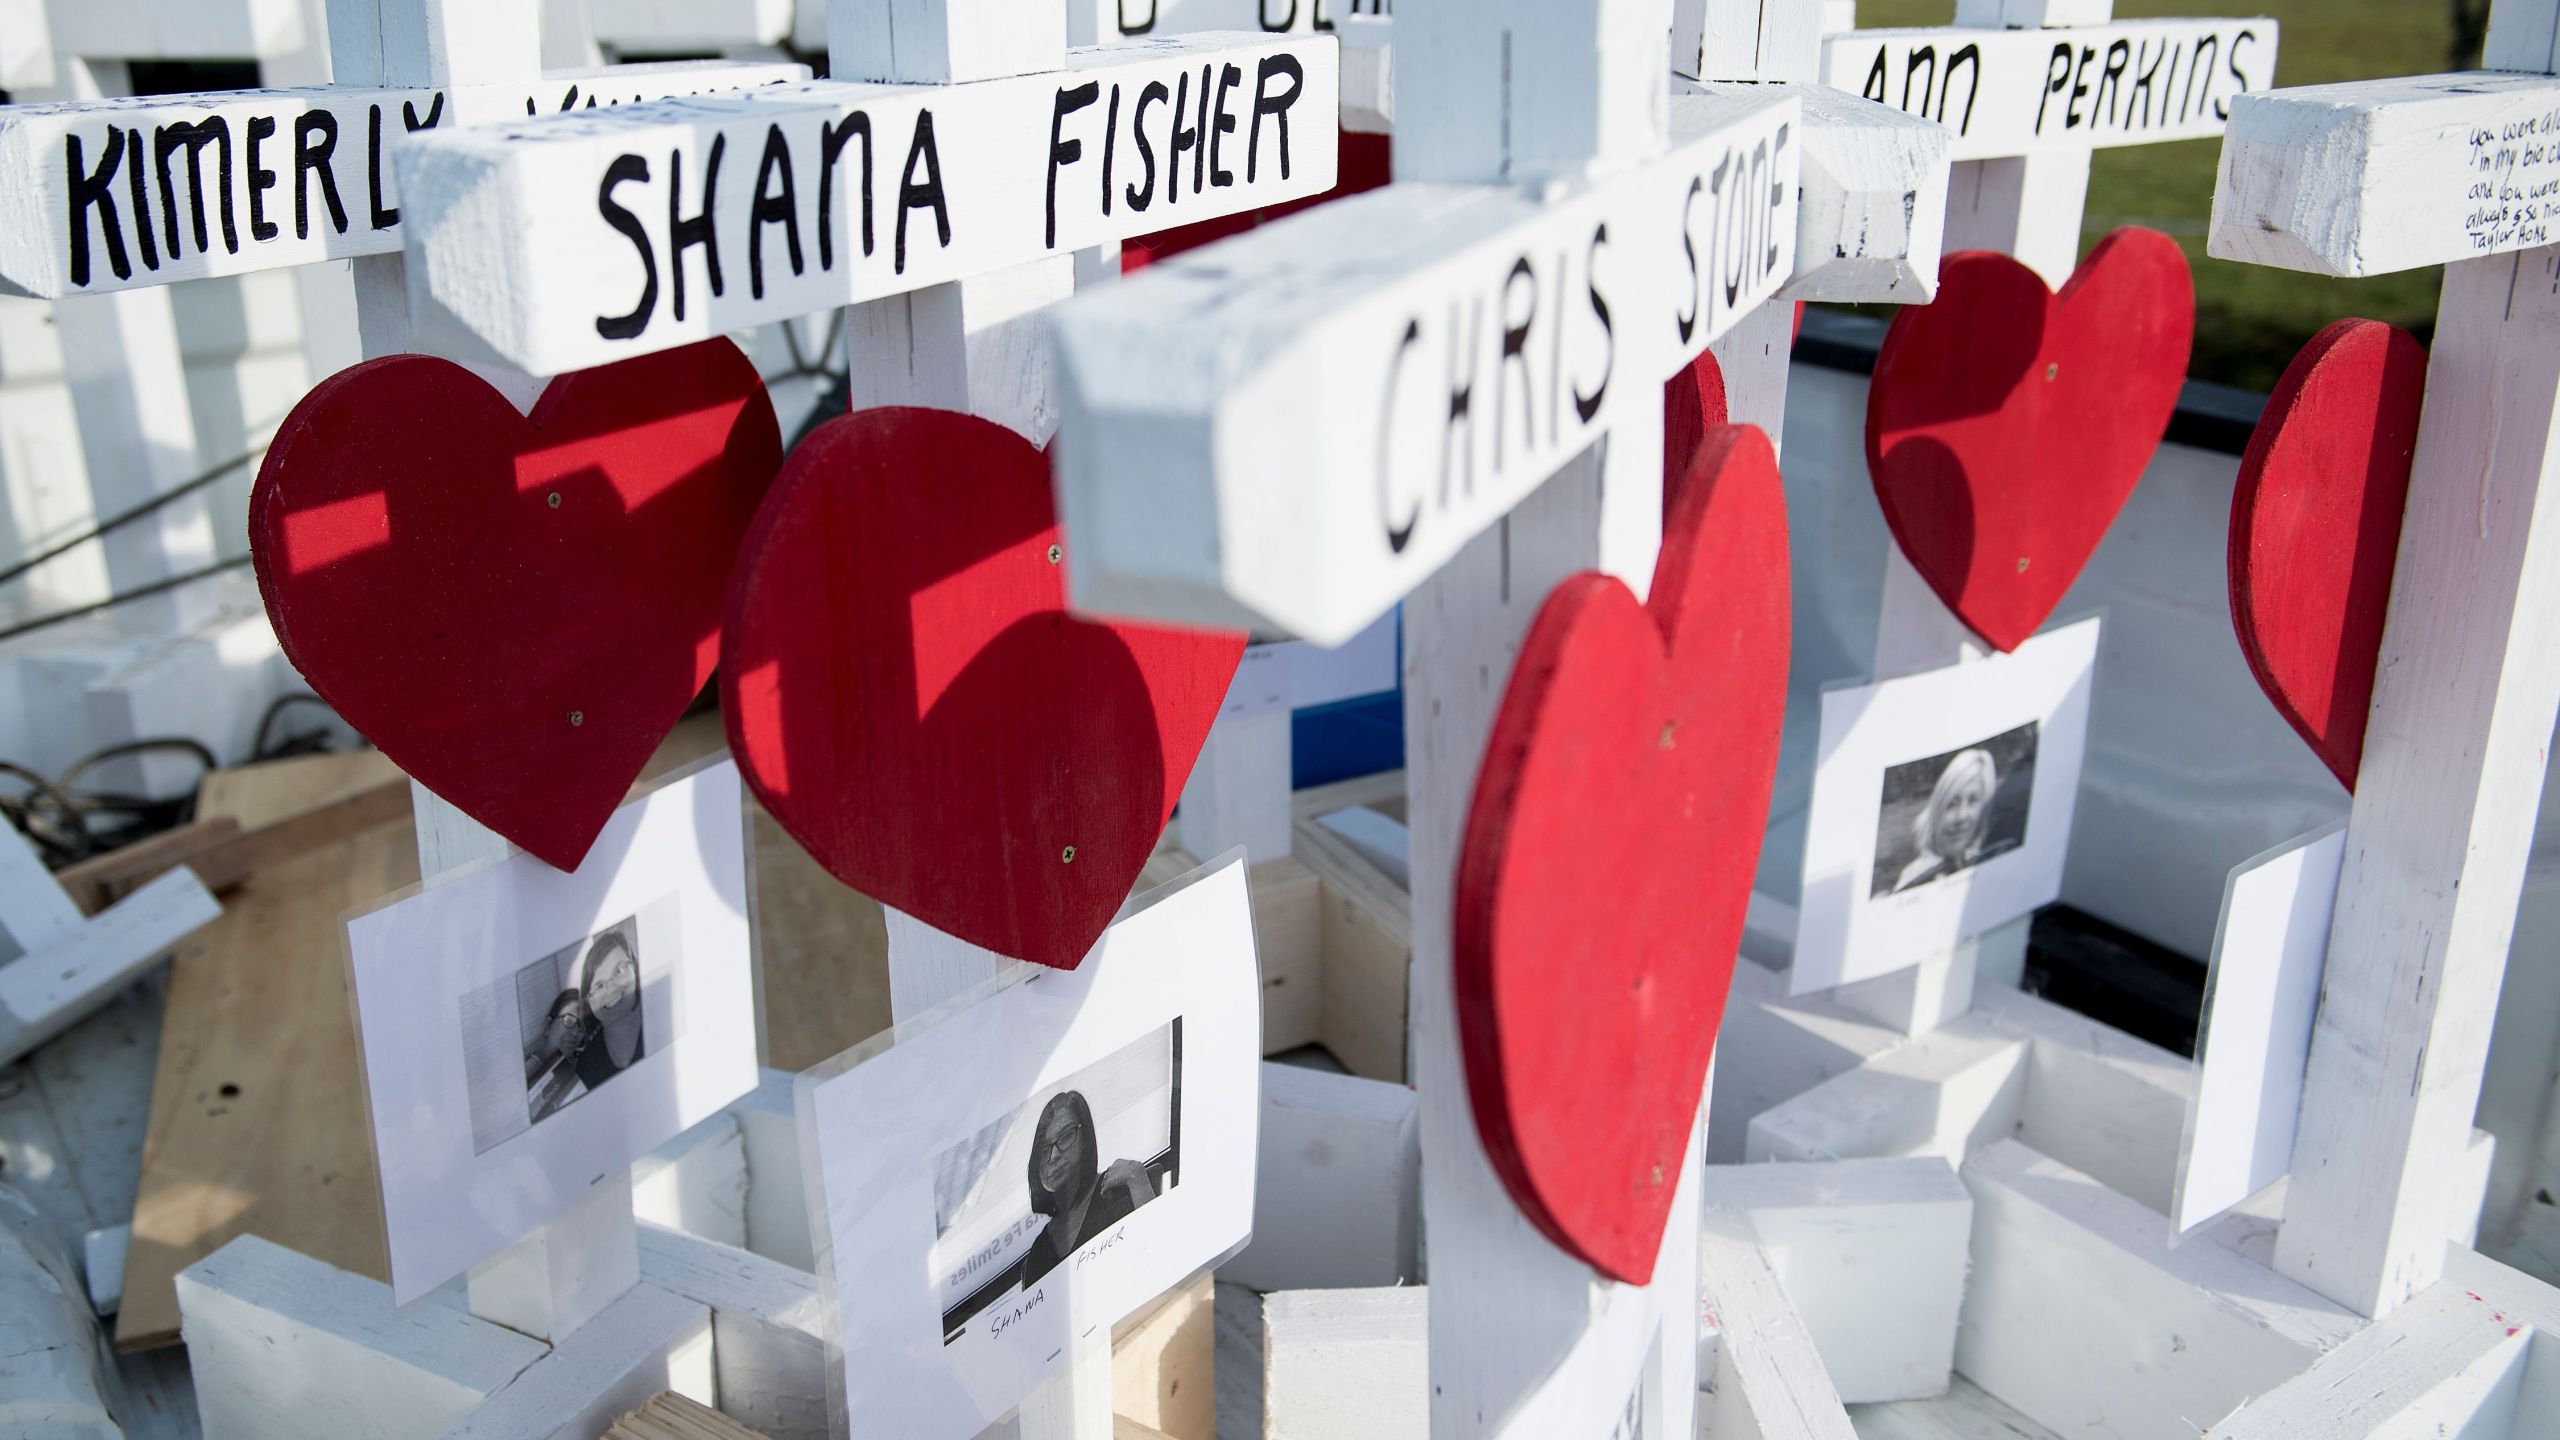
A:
(137, 186)
(1398, 536)
(833, 136)
(1275, 104)
(1589, 405)
(628, 169)
(261, 180)
(1136, 27)
(1968, 58)
(384, 216)
(682, 233)
(1689, 246)
(1462, 399)
(2057, 78)
(1182, 139)
(2111, 79)
(95, 191)
(1224, 125)
(1143, 194)
(166, 141)
(773, 204)
(315, 139)
(926, 193)
(2239, 82)
(1515, 344)
(1064, 152)
(1110, 146)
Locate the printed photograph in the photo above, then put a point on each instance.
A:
(1056, 1177)
(558, 1029)
(1948, 813)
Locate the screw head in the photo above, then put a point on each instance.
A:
(552, 499)
(2053, 371)
(577, 718)
(2022, 564)
(1056, 554)
(1067, 856)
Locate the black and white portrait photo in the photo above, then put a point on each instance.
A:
(566, 1024)
(1948, 813)
(1058, 1177)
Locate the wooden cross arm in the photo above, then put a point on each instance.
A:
(574, 241)
(101, 195)
(2015, 92)
(1295, 427)
(2378, 176)
(1874, 206)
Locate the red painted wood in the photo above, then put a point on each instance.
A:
(1365, 163)
(1608, 858)
(2315, 529)
(2007, 425)
(1693, 409)
(516, 609)
(909, 697)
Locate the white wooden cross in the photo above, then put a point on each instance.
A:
(65, 965)
(2460, 170)
(1405, 394)
(2028, 91)
(714, 215)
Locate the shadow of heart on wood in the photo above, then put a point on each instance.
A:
(910, 698)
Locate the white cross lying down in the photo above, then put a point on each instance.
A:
(1302, 425)
(2364, 179)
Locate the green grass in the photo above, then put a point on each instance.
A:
(2250, 320)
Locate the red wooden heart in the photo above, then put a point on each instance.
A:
(2007, 425)
(515, 608)
(1608, 859)
(2315, 529)
(909, 697)
(1693, 408)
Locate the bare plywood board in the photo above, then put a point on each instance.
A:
(257, 1112)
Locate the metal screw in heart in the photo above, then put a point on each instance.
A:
(1068, 856)
(577, 718)
(1056, 554)
(554, 498)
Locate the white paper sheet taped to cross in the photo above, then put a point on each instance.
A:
(1475, 337)
(570, 242)
(107, 195)
(2011, 92)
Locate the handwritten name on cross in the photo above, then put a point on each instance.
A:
(2365, 179)
(1459, 342)
(116, 194)
(576, 241)
(2003, 92)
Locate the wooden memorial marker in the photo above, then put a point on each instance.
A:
(1302, 425)
(2365, 179)
(2027, 90)
(717, 214)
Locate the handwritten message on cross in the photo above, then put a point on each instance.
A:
(2365, 179)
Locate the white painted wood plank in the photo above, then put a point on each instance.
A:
(1746, 40)
(102, 1255)
(696, 1184)
(103, 195)
(942, 42)
(555, 1280)
(55, 1364)
(33, 910)
(777, 1205)
(1874, 208)
(1770, 1383)
(1337, 1186)
(1871, 1255)
(662, 25)
(1965, 1413)
(2080, 1315)
(260, 1320)
(1347, 1364)
(646, 1342)
(1238, 793)
(2097, 1099)
(2012, 92)
(2446, 1364)
(45, 993)
(1774, 1047)
(1374, 312)
(954, 181)
(2384, 175)
(768, 1330)
(1947, 1093)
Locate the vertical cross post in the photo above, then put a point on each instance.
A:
(2029, 110)
(1369, 402)
(973, 345)
(561, 1276)
(2367, 179)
